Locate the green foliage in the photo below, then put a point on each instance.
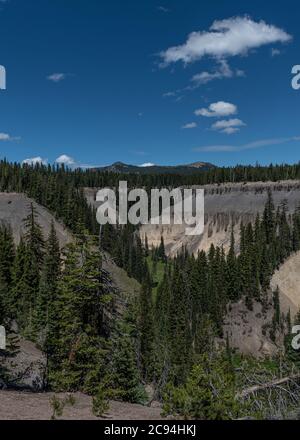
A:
(57, 406)
(66, 304)
(77, 344)
(146, 329)
(124, 380)
(100, 403)
(208, 394)
(44, 315)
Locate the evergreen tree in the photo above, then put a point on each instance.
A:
(47, 293)
(146, 328)
(77, 345)
(232, 275)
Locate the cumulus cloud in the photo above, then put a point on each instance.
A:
(229, 126)
(66, 160)
(217, 110)
(34, 161)
(249, 146)
(57, 77)
(189, 126)
(225, 38)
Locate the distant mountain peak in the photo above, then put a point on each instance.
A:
(199, 164)
(119, 164)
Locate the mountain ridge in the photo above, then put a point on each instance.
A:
(123, 168)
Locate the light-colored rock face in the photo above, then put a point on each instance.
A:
(15, 207)
(27, 369)
(225, 205)
(287, 278)
(245, 330)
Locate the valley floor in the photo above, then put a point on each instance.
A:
(36, 406)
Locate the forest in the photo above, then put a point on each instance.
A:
(171, 335)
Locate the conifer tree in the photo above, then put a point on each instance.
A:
(146, 327)
(124, 379)
(77, 346)
(232, 276)
(161, 250)
(34, 237)
(47, 294)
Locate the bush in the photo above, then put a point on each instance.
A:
(100, 403)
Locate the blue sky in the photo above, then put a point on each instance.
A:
(105, 81)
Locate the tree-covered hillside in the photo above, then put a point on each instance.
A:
(171, 335)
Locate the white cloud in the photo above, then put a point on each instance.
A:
(189, 126)
(217, 110)
(163, 9)
(147, 165)
(57, 77)
(275, 52)
(225, 38)
(66, 160)
(229, 126)
(250, 146)
(169, 94)
(35, 161)
(240, 73)
(224, 71)
(5, 137)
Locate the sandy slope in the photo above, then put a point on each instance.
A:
(225, 205)
(29, 406)
(244, 329)
(15, 207)
(287, 278)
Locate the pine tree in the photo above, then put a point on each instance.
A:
(232, 276)
(124, 380)
(161, 250)
(34, 238)
(180, 333)
(77, 346)
(47, 293)
(146, 328)
(7, 255)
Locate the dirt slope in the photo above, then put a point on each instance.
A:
(36, 406)
(245, 330)
(224, 205)
(15, 207)
(287, 278)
